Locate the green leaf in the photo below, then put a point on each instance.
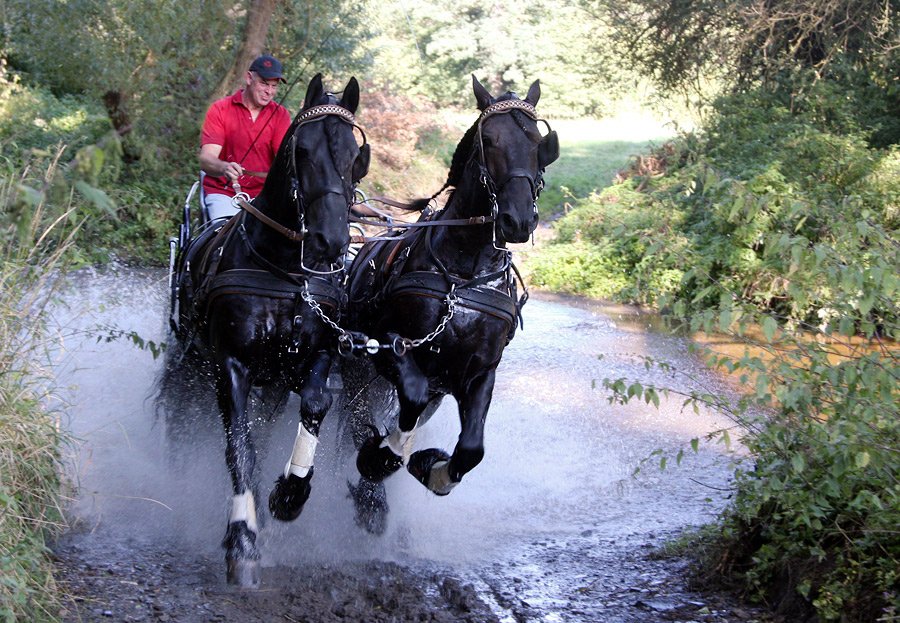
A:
(96, 196)
(769, 326)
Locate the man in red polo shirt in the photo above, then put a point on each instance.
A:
(241, 132)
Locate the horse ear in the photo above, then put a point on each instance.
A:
(534, 93)
(548, 149)
(482, 96)
(350, 98)
(314, 91)
(361, 164)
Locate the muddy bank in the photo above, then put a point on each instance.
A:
(616, 583)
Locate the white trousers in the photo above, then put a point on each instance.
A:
(219, 206)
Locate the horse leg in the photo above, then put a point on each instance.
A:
(381, 456)
(241, 553)
(292, 488)
(439, 471)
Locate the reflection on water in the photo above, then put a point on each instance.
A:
(559, 457)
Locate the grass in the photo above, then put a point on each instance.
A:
(592, 151)
(31, 253)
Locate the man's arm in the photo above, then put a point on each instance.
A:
(211, 165)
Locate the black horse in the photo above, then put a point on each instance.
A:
(437, 306)
(260, 297)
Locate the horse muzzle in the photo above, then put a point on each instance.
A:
(517, 215)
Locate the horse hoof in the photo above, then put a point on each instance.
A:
(243, 573)
(289, 495)
(242, 555)
(370, 501)
(376, 463)
(420, 464)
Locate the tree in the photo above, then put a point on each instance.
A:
(505, 44)
(253, 43)
(748, 42)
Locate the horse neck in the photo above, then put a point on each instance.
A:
(467, 249)
(276, 201)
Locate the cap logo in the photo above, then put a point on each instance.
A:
(268, 63)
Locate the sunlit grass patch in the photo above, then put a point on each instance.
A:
(592, 151)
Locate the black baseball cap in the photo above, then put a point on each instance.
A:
(268, 67)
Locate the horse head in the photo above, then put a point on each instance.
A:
(512, 155)
(325, 163)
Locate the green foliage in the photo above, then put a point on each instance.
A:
(507, 45)
(781, 226)
(747, 44)
(32, 252)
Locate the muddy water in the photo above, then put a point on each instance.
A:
(551, 526)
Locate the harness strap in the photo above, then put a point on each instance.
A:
(209, 265)
(290, 234)
(479, 298)
(269, 266)
(263, 283)
(474, 220)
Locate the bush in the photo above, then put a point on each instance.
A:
(783, 226)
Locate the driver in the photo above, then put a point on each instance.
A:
(241, 135)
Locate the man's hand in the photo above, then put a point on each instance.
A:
(233, 171)
(210, 163)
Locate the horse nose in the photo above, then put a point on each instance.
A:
(327, 247)
(516, 227)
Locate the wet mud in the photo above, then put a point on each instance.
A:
(553, 526)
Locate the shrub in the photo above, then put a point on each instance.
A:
(783, 225)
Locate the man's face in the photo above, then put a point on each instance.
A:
(259, 90)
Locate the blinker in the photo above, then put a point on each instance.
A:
(548, 149)
(361, 164)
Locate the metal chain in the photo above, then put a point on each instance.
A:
(451, 301)
(314, 305)
(400, 345)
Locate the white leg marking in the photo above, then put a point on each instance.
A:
(243, 508)
(304, 451)
(400, 443)
(439, 479)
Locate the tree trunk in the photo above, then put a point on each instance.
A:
(253, 44)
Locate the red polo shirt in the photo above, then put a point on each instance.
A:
(228, 123)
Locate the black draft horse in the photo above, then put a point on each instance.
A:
(258, 299)
(437, 306)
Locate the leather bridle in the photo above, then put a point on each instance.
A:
(310, 115)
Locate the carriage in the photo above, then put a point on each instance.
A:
(269, 297)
